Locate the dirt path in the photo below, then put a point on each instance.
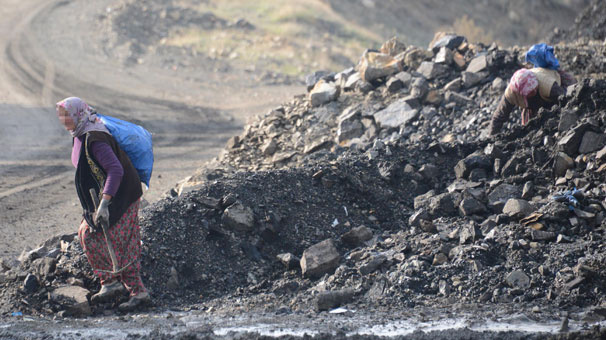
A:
(51, 50)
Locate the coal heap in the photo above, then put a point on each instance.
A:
(589, 25)
(379, 188)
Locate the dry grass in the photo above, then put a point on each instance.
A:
(467, 27)
(291, 37)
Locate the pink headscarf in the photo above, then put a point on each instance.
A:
(523, 82)
(83, 115)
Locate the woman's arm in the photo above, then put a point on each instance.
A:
(500, 115)
(107, 159)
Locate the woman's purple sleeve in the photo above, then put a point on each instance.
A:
(106, 157)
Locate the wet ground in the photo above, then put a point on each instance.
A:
(337, 324)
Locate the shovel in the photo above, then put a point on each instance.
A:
(110, 247)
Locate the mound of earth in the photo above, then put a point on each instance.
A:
(589, 25)
(378, 189)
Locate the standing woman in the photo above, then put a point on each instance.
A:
(103, 167)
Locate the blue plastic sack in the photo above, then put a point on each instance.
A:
(135, 141)
(541, 55)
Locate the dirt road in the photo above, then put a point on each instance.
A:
(55, 49)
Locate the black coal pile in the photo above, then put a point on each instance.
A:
(589, 25)
(380, 188)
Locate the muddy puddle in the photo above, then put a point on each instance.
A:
(344, 323)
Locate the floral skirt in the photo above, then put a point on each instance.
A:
(125, 236)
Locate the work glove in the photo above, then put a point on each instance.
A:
(101, 217)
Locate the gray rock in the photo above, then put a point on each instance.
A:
(396, 114)
(238, 217)
(332, 299)
(429, 171)
(320, 259)
(444, 56)
(415, 219)
(500, 194)
(30, 255)
(44, 266)
(442, 205)
(443, 288)
(498, 84)
(428, 112)
(352, 82)
(323, 93)
(477, 64)
(357, 236)
(601, 155)
(568, 119)
(4, 265)
(419, 87)
(289, 260)
(454, 85)
(317, 144)
(312, 79)
(394, 85)
(431, 70)
(518, 279)
(469, 234)
(453, 97)
(541, 235)
(517, 208)
(31, 283)
(471, 79)
(439, 259)
(450, 41)
(423, 200)
(405, 78)
(348, 130)
(372, 265)
(562, 162)
(591, 142)
(73, 299)
(269, 148)
(572, 140)
(475, 160)
(233, 142)
(471, 206)
(173, 282)
(528, 190)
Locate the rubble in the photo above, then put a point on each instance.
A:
(388, 195)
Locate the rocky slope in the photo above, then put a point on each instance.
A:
(377, 190)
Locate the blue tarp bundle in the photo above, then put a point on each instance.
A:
(541, 55)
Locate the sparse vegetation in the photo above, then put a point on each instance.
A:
(467, 27)
(288, 37)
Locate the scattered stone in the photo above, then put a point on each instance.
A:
(332, 299)
(73, 299)
(238, 217)
(289, 260)
(396, 114)
(357, 236)
(323, 93)
(518, 279)
(517, 208)
(320, 259)
(31, 283)
(372, 265)
(477, 64)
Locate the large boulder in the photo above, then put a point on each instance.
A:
(73, 299)
(320, 259)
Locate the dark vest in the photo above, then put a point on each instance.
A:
(89, 174)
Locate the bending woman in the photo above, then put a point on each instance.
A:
(102, 167)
